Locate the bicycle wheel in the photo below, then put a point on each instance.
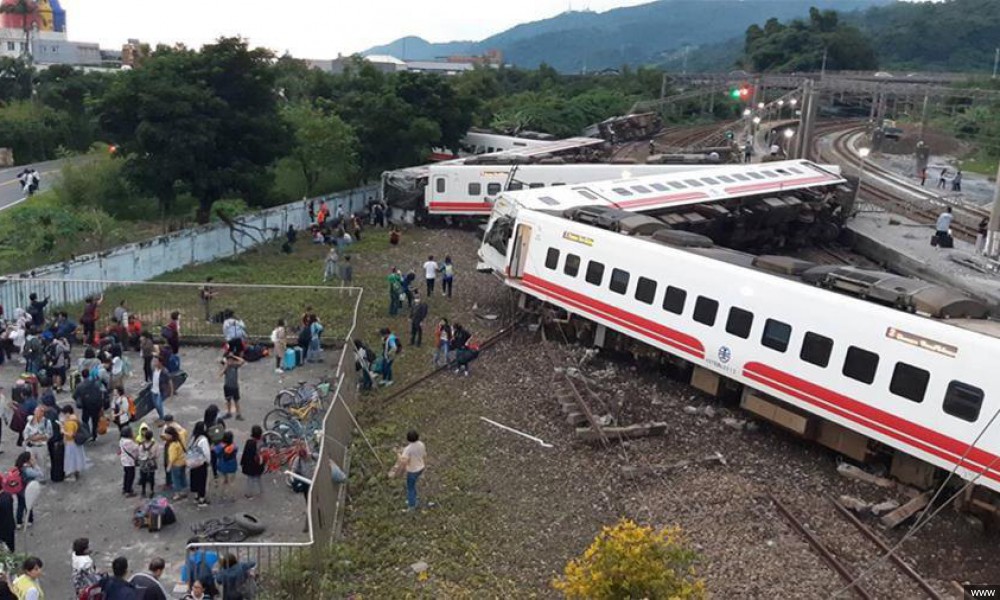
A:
(273, 440)
(230, 535)
(274, 416)
(286, 399)
(288, 430)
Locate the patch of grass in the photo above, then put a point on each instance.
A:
(980, 163)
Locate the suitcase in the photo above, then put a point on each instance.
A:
(300, 356)
(947, 241)
(289, 360)
(144, 400)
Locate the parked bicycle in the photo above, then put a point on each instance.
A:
(277, 457)
(304, 393)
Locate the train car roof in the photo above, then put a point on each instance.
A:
(668, 190)
(550, 147)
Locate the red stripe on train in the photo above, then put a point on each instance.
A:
(775, 185)
(483, 207)
(637, 324)
(912, 434)
(661, 200)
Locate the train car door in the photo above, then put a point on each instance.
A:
(519, 254)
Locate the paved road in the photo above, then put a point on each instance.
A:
(10, 187)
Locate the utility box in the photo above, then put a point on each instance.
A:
(6, 157)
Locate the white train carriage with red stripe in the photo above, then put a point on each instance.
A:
(882, 376)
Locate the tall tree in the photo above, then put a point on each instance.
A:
(801, 45)
(323, 143)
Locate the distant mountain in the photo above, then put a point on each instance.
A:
(649, 33)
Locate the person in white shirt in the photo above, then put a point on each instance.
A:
(37, 432)
(129, 451)
(943, 225)
(121, 414)
(412, 459)
(430, 273)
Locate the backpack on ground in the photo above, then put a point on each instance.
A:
(12, 482)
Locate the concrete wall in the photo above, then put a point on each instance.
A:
(145, 260)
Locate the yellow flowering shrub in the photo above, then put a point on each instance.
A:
(631, 561)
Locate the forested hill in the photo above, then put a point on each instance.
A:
(636, 35)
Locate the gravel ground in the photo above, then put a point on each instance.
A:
(542, 506)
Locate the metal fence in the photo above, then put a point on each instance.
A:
(150, 258)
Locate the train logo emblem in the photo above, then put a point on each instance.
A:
(725, 354)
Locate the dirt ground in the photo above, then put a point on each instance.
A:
(508, 513)
(95, 508)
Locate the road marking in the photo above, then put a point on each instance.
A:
(14, 203)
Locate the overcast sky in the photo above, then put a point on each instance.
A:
(307, 28)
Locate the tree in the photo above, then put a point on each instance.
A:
(15, 79)
(71, 91)
(801, 45)
(33, 131)
(25, 9)
(631, 561)
(323, 143)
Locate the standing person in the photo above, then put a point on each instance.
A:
(417, 315)
(279, 339)
(59, 352)
(346, 272)
(115, 586)
(447, 276)
(234, 330)
(236, 578)
(982, 230)
(36, 309)
(172, 332)
(147, 349)
(8, 526)
(215, 428)
(197, 460)
(148, 458)
(128, 450)
(430, 274)
(27, 585)
(941, 179)
(315, 351)
(148, 583)
(121, 313)
(412, 461)
(225, 456)
(161, 387)
(943, 226)
(956, 183)
(363, 358)
(121, 409)
(75, 459)
(89, 318)
(205, 295)
(396, 296)
(330, 265)
(175, 462)
(442, 337)
(356, 227)
(231, 384)
(29, 472)
(37, 433)
(251, 464)
(390, 349)
(90, 398)
(84, 569)
(923, 176)
(408, 287)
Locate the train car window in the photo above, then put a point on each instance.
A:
(549, 201)
(677, 186)
(619, 281)
(595, 272)
(693, 182)
(475, 189)
(794, 170)
(439, 185)
(755, 175)
(515, 186)
(492, 189)
(739, 177)
(709, 180)
(587, 195)
(641, 189)
(622, 192)
(673, 300)
(771, 174)
(645, 290)
(705, 310)
(572, 266)
(816, 349)
(739, 322)
(860, 364)
(909, 382)
(658, 187)
(535, 186)
(489, 150)
(963, 401)
(725, 179)
(776, 335)
(781, 171)
(552, 259)
(555, 184)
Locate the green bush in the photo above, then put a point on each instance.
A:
(96, 181)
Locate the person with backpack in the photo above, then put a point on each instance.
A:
(58, 359)
(26, 586)
(465, 350)
(16, 482)
(251, 463)
(197, 458)
(390, 349)
(36, 309)
(175, 462)
(214, 430)
(225, 457)
(115, 586)
(149, 582)
(197, 571)
(74, 436)
(84, 570)
(148, 456)
(238, 579)
(122, 408)
(231, 384)
(128, 451)
(90, 399)
(396, 295)
(161, 387)
(447, 276)
(279, 338)
(364, 358)
(89, 319)
(37, 433)
(315, 351)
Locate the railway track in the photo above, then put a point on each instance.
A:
(891, 192)
(855, 552)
